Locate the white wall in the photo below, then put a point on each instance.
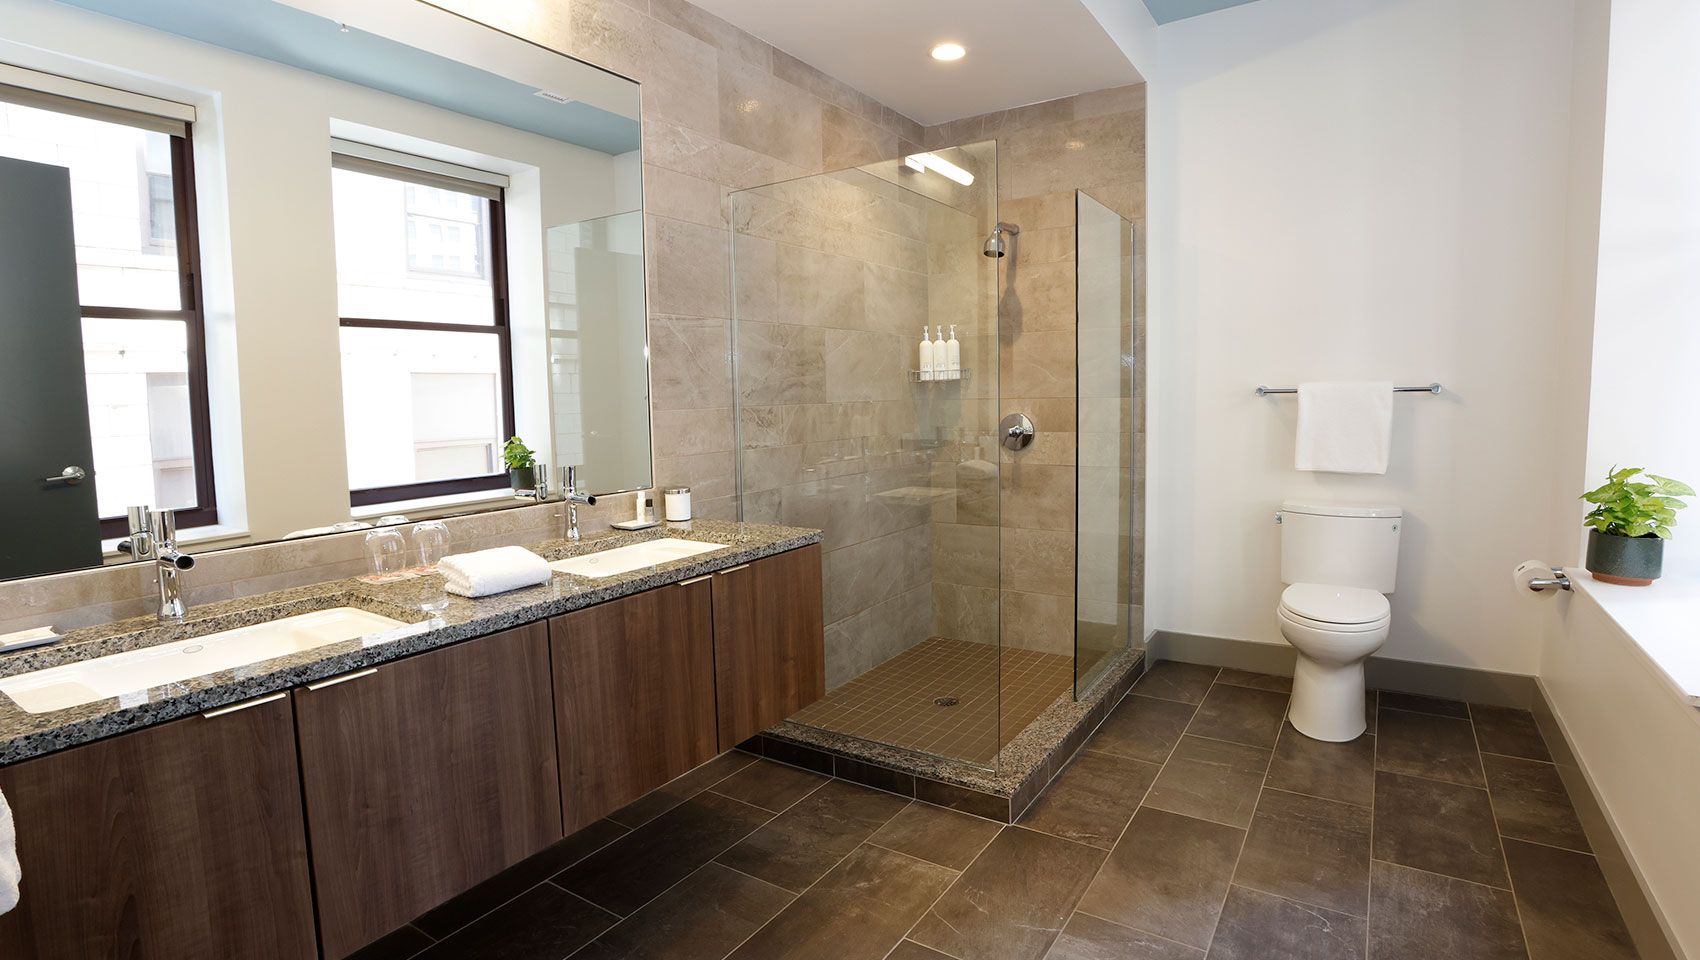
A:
(1636, 741)
(1364, 189)
(262, 143)
(1646, 347)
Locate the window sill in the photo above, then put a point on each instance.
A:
(1659, 619)
(210, 535)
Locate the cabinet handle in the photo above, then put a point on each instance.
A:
(221, 711)
(735, 569)
(686, 583)
(342, 679)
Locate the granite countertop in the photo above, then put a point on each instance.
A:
(24, 734)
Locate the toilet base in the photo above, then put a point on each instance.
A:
(1328, 700)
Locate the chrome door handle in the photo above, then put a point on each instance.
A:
(342, 679)
(741, 566)
(72, 475)
(244, 705)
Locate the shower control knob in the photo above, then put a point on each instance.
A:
(1017, 431)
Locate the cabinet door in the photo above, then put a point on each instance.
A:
(182, 840)
(634, 681)
(769, 642)
(425, 776)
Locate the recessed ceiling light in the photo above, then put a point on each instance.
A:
(948, 51)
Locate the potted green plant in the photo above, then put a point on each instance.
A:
(1631, 521)
(522, 464)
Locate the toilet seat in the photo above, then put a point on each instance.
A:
(1328, 607)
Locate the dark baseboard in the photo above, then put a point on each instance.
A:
(1380, 673)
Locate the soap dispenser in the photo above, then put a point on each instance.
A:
(926, 355)
(953, 356)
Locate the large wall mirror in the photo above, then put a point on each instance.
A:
(291, 267)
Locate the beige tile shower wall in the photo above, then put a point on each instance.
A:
(722, 110)
(830, 293)
(1093, 142)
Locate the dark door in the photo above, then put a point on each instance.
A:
(44, 409)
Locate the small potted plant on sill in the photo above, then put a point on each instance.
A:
(1631, 521)
(522, 464)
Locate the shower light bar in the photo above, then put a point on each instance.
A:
(928, 161)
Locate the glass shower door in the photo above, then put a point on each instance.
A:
(836, 280)
(1106, 617)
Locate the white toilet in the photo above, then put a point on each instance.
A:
(1339, 562)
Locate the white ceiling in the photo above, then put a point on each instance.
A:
(1019, 51)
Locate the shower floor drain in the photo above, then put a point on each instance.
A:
(945, 701)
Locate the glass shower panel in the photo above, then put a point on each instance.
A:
(835, 277)
(1106, 619)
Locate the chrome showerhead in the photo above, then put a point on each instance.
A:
(995, 243)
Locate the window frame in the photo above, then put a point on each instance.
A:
(500, 328)
(205, 511)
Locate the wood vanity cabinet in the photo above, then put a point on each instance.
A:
(423, 777)
(182, 840)
(634, 705)
(769, 643)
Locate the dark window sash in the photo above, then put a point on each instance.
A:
(205, 510)
(499, 328)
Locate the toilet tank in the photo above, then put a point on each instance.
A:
(1347, 546)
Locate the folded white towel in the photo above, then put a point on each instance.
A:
(1345, 426)
(484, 572)
(10, 873)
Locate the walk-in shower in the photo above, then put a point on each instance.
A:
(955, 610)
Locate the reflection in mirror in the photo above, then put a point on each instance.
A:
(290, 267)
(599, 370)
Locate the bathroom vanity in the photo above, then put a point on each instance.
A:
(306, 805)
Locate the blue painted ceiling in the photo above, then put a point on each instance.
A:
(1165, 11)
(296, 38)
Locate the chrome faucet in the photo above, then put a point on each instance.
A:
(570, 493)
(153, 536)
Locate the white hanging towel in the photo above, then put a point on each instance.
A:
(1345, 426)
(10, 873)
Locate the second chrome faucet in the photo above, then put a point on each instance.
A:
(570, 493)
(153, 536)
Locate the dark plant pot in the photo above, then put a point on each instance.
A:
(522, 478)
(1630, 561)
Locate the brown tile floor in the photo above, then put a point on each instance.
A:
(893, 702)
(1195, 824)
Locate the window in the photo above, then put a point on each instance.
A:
(133, 218)
(426, 369)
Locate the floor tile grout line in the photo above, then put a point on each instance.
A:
(1443, 876)
(1499, 838)
(1140, 930)
(1369, 874)
(1550, 846)
(548, 879)
(838, 863)
(1245, 835)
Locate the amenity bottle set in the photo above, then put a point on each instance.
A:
(940, 359)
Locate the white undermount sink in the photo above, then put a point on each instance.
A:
(634, 557)
(74, 684)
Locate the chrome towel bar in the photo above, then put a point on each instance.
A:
(1433, 388)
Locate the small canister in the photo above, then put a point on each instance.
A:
(678, 503)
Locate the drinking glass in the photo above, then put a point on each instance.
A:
(386, 549)
(431, 540)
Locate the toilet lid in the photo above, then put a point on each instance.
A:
(1331, 604)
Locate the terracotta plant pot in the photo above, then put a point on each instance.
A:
(1630, 561)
